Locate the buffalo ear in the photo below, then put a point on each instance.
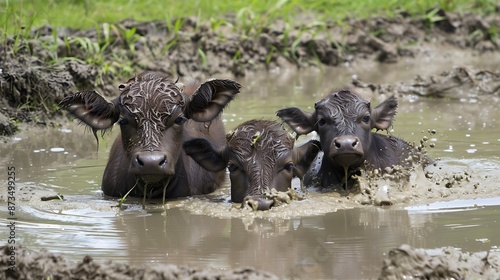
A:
(303, 157)
(383, 115)
(211, 98)
(204, 154)
(92, 109)
(301, 122)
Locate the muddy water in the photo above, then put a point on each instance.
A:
(342, 242)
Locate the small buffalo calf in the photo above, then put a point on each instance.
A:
(344, 122)
(156, 115)
(260, 155)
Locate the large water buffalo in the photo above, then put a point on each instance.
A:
(344, 123)
(156, 115)
(260, 156)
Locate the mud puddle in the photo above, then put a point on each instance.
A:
(327, 235)
(342, 244)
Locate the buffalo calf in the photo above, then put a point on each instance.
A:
(156, 115)
(344, 123)
(260, 155)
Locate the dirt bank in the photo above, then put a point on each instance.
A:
(464, 83)
(443, 263)
(45, 265)
(400, 263)
(36, 72)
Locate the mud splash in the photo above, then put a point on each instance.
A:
(422, 180)
(390, 187)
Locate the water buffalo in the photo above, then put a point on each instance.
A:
(156, 115)
(260, 155)
(344, 123)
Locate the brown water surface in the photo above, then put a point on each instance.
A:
(342, 242)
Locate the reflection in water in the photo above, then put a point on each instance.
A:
(77, 230)
(347, 243)
(344, 243)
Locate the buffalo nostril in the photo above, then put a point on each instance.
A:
(346, 142)
(164, 161)
(337, 144)
(139, 162)
(151, 162)
(355, 143)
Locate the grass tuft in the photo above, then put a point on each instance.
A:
(251, 15)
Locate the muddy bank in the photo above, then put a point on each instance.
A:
(461, 82)
(45, 265)
(400, 263)
(37, 71)
(442, 263)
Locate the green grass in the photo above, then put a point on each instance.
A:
(246, 17)
(16, 14)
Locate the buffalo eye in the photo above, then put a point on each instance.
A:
(322, 122)
(232, 167)
(180, 120)
(289, 166)
(122, 121)
(366, 119)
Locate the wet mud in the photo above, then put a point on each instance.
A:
(394, 186)
(399, 262)
(464, 83)
(37, 72)
(406, 262)
(45, 265)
